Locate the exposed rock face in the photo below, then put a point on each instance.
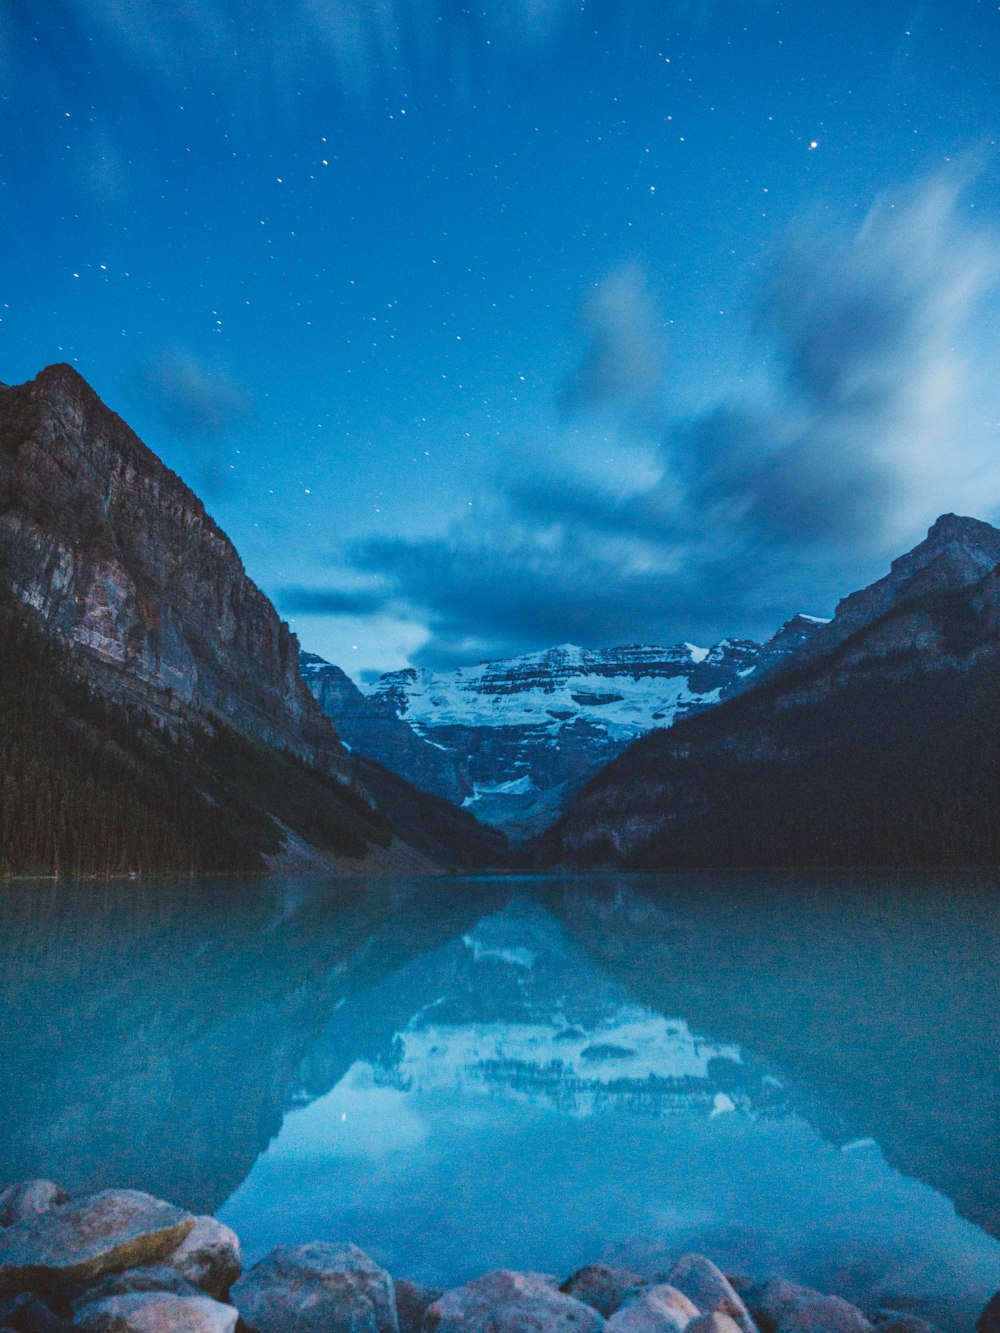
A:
(868, 744)
(372, 726)
(315, 1288)
(514, 740)
(956, 553)
(75, 1243)
(118, 556)
(509, 1302)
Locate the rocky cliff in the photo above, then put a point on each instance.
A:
(152, 713)
(874, 743)
(118, 556)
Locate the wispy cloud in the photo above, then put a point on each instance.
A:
(192, 397)
(624, 356)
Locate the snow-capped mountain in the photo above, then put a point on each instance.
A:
(513, 740)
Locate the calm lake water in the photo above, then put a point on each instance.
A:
(797, 1074)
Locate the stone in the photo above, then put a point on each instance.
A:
(209, 1256)
(714, 1322)
(29, 1199)
(989, 1320)
(659, 1309)
(26, 1313)
(788, 1307)
(412, 1302)
(603, 1288)
(134, 1281)
(507, 1302)
(156, 1312)
(76, 1242)
(899, 1321)
(709, 1289)
(316, 1288)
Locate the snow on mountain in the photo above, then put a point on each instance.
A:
(513, 740)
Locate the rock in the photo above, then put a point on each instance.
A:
(412, 1301)
(603, 1288)
(75, 1242)
(316, 1288)
(134, 1281)
(898, 1321)
(659, 1309)
(156, 1312)
(26, 1313)
(789, 1308)
(710, 1289)
(989, 1320)
(28, 1199)
(509, 1302)
(209, 1256)
(715, 1322)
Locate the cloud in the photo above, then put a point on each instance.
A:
(361, 46)
(760, 507)
(624, 356)
(193, 398)
(330, 601)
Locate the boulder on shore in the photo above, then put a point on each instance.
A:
(509, 1302)
(603, 1288)
(315, 1289)
(412, 1302)
(209, 1256)
(989, 1320)
(787, 1307)
(29, 1199)
(132, 1282)
(75, 1242)
(710, 1289)
(156, 1312)
(659, 1309)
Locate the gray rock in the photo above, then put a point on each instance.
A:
(166, 1281)
(156, 1312)
(790, 1308)
(28, 1199)
(659, 1309)
(412, 1302)
(509, 1302)
(209, 1256)
(899, 1321)
(989, 1320)
(710, 1289)
(26, 1313)
(603, 1288)
(75, 1242)
(317, 1288)
(714, 1322)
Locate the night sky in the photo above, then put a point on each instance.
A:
(486, 327)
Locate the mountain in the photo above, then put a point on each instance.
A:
(152, 713)
(513, 740)
(877, 742)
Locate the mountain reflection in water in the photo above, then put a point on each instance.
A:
(463, 1074)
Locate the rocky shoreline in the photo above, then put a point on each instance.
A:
(121, 1261)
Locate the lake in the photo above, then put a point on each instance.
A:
(795, 1073)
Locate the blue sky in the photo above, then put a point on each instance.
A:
(482, 327)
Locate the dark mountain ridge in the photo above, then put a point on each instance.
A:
(883, 748)
(152, 714)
